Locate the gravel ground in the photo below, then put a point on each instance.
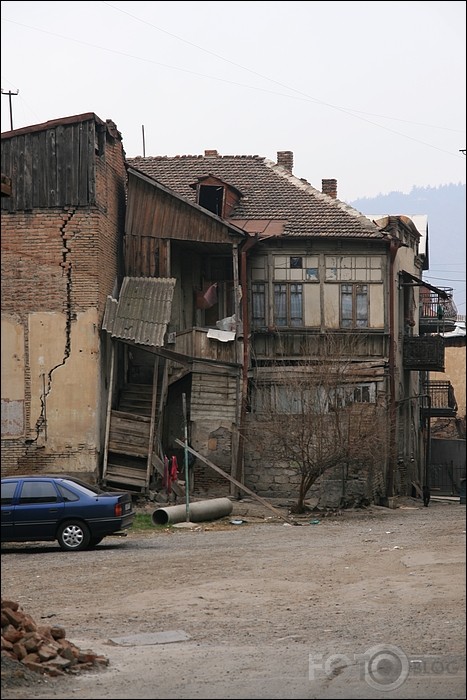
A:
(367, 604)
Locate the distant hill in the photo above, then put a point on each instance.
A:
(445, 207)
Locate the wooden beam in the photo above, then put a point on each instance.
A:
(237, 483)
(155, 377)
(109, 409)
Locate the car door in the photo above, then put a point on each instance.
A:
(38, 509)
(8, 509)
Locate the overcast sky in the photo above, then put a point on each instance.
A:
(369, 93)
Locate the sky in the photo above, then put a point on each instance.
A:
(369, 93)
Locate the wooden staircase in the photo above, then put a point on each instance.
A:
(128, 440)
(128, 449)
(136, 399)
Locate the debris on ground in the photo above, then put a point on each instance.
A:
(29, 648)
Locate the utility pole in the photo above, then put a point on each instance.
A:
(10, 93)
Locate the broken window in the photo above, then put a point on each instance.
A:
(211, 197)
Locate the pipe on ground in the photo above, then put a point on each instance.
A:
(199, 511)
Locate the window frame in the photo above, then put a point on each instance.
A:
(352, 321)
(291, 316)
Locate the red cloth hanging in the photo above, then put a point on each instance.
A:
(174, 469)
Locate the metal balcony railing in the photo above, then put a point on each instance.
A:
(424, 353)
(437, 314)
(442, 399)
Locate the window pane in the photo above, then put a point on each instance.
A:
(296, 305)
(346, 306)
(312, 273)
(38, 492)
(280, 304)
(258, 305)
(66, 494)
(362, 306)
(8, 491)
(365, 394)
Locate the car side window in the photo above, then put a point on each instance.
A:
(67, 495)
(38, 492)
(8, 491)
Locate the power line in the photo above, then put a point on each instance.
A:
(443, 279)
(272, 80)
(303, 96)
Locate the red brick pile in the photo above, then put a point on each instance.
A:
(42, 648)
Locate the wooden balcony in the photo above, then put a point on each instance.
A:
(424, 353)
(195, 344)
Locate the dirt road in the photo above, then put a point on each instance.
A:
(369, 604)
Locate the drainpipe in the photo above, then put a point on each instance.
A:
(428, 443)
(246, 353)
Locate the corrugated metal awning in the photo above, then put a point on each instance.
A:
(142, 312)
(422, 283)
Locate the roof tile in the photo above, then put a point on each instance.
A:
(269, 192)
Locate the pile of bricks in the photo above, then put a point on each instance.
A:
(42, 648)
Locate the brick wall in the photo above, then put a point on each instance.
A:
(63, 261)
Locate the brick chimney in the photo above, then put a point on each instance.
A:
(285, 158)
(210, 153)
(329, 187)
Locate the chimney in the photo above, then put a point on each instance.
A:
(329, 187)
(285, 158)
(210, 154)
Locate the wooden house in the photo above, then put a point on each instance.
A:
(309, 268)
(155, 300)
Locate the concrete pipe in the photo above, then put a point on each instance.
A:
(199, 511)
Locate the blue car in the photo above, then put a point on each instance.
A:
(49, 508)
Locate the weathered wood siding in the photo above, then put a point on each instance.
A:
(155, 216)
(213, 396)
(195, 343)
(53, 167)
(129, 434)
(303, 346)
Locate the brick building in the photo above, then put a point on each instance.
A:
(62, 232)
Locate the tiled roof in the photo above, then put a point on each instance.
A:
(269, 192)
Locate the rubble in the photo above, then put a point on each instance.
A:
(42, 649)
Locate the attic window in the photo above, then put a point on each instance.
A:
(211, 197)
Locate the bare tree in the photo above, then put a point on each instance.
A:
(317, 415)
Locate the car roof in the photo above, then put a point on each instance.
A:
(37, 476)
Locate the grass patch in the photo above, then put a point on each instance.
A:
(142, 521)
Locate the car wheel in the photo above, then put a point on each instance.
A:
(73, 536)
(94, 541)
